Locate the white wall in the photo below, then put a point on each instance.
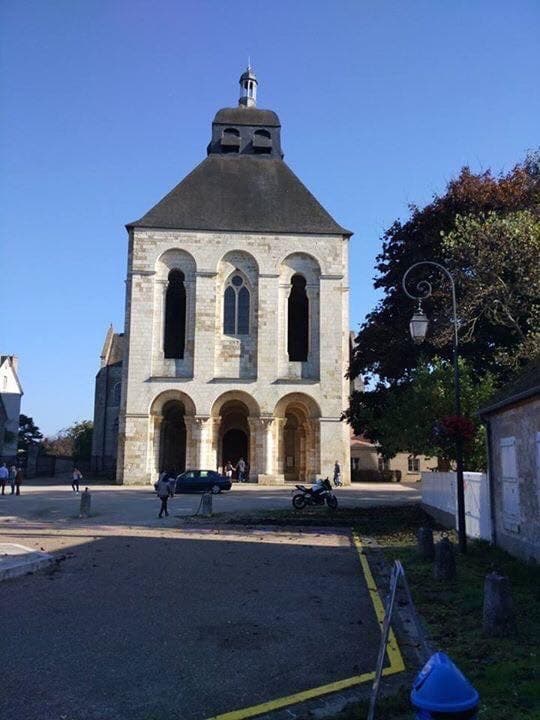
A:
(439, 490)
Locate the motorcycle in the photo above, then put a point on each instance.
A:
(317, 494)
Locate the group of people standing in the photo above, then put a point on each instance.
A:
(241, 470)
(14, 476)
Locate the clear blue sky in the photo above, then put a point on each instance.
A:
(107, 104)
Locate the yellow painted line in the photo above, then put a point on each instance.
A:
(392, 650)
(392, 647)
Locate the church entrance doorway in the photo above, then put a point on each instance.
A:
(235, 446)
(172, 456)
(234, 433)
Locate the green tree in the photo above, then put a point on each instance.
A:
(404, 417)
(440, 232)
(81, 433)
(495, 262)
(74, 441)
(29, 433)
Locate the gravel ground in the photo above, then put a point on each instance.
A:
(178, 623)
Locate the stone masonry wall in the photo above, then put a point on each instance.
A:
(209, 369)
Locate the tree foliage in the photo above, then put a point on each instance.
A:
(74, 441)
(440, 232)
(486, 231)
(405, 417)
(29, 433)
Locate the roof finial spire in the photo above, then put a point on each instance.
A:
(248, 87)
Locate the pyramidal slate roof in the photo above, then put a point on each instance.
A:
(244, 190)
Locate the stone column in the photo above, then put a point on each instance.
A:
(203, 431)
(160, 289)
(192, 450)
(279, 438)
(213, 445)
(254, 447)
(154, 441)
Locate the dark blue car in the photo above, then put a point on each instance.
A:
(200, 480)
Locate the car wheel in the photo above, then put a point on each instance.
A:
(216, 489)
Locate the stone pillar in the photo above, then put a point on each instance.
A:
(192, 442)
(203, 430)
(255, 455)
(154, 441)
(136, 468)
(268, 445)
(280, 442)
(213, 444)
(160, 290)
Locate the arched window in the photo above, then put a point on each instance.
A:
(298, 320)
(236, 307)
(117, 389)
(175, 316)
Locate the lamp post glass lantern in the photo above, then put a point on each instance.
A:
(418, 327)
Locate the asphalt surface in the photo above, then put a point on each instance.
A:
(113, 505)
(181, 623)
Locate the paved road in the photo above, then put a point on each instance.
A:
(184, 624)
(125, 505)
(148, 619)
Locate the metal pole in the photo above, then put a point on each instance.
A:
(425, 288)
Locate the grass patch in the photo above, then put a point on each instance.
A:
(503, 670)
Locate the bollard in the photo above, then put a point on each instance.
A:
(441, 690)
(206, 504)
(426, 549)
(498, 616)
(86, 498)
(445, 562)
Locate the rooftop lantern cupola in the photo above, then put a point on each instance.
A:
(248, 88)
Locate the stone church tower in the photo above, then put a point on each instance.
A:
(236, 329)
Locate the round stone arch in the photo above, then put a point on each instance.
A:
(171, 431)
(235, 417)
(299, 263)
(297, 416)
(175, 259)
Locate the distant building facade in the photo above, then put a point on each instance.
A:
(237, 330)
(11, 393)
(368, 464)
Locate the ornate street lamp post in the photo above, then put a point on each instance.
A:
(418, 328)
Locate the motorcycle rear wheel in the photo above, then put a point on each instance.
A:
(299, 502)
(331, 501)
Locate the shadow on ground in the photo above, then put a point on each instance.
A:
(187, 627)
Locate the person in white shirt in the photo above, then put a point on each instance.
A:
(76, 477)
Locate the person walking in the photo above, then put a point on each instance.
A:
(76, 477)
(4, 475)
(241, 469)
(229, 470)
(337, 474)
(163, 494)
(18, 480)
(12, 476)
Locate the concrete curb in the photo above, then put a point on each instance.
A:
(16, 560)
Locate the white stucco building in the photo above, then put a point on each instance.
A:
(11, 393)
(237, 324)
